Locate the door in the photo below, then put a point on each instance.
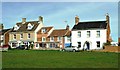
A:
(88, 45)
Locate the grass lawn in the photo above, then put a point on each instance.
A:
(57, 59)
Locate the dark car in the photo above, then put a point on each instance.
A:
(22, 47)
(5, 47)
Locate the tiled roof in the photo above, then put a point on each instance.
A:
(47, 29)
(60, 32)
(23, 27)
(68, 33)
(90, 25)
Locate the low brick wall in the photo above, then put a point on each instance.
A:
(112, 48)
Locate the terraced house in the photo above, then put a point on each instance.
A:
(60, 38)
(25, 32)
(91, 34)
(42, 37)
(4, 35)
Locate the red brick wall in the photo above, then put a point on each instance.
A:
(112, 48)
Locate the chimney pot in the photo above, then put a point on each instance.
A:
(76, 20)
(40, 19)
(23, 19)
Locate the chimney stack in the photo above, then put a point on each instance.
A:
(40, 19)
(107, 18)
(23, 19)
(1, 27)
(67, 27)
(76, 20)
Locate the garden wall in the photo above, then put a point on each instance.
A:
(112, 48)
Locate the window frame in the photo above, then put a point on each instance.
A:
(43, 39)
(29, 35)
(88, 34)
(14, 36)
(98, 44)
(21, 36)
(79, 33)
(98, 34)
(51, 39)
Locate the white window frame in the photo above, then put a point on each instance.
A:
(88, 34)
(98, 34)
(21, 36)
(43, 30)
(79, 33)
(43, 39)
(14, 36)
(59, 38)
(29, 35)
(68, 38)
(97, 44)
(2, 37)
(51, 39)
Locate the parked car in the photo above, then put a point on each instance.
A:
(22, 47)
(4, 48)
(71, 48)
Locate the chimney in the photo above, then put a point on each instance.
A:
(40, 19)
(23, 19)
(76, 20)
(1, 27)
(67, 27)
(107, 18)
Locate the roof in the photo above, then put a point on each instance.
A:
(3, 31)
(47, 29)
(23, 27)
(59, 32)
(90, 25)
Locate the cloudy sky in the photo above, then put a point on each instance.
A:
(56, 13)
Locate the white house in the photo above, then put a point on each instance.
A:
(90, 35)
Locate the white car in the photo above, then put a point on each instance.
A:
(71, 48)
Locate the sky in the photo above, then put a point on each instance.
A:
(56, 13)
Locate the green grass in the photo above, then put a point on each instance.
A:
(57, 59)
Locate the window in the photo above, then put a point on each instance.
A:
(88, 33)
(98, 43)
(2, 37)
(79, 34)
(98, 33)
(79, 44)
(21, 36)
(59, 38)
(51, 38)
(43, 30)
(28, 35)
(29, 26)
(43, 39)
(68, 39)
(14, 36)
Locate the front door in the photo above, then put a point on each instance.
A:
(88, 45)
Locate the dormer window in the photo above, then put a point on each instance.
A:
(43, 30)
(16, 27)
(30, 26)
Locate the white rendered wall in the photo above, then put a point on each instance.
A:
(92, 39)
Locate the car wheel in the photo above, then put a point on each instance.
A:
(63, 49)
(74, 50)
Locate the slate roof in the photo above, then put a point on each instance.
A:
(90, 25)
(23, 27)
(59, 32)
(3, 31)
(47, 29)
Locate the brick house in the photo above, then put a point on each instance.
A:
(42, 37)
(59, 38)
(91, 34)
(25, 32)
(4, 35)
